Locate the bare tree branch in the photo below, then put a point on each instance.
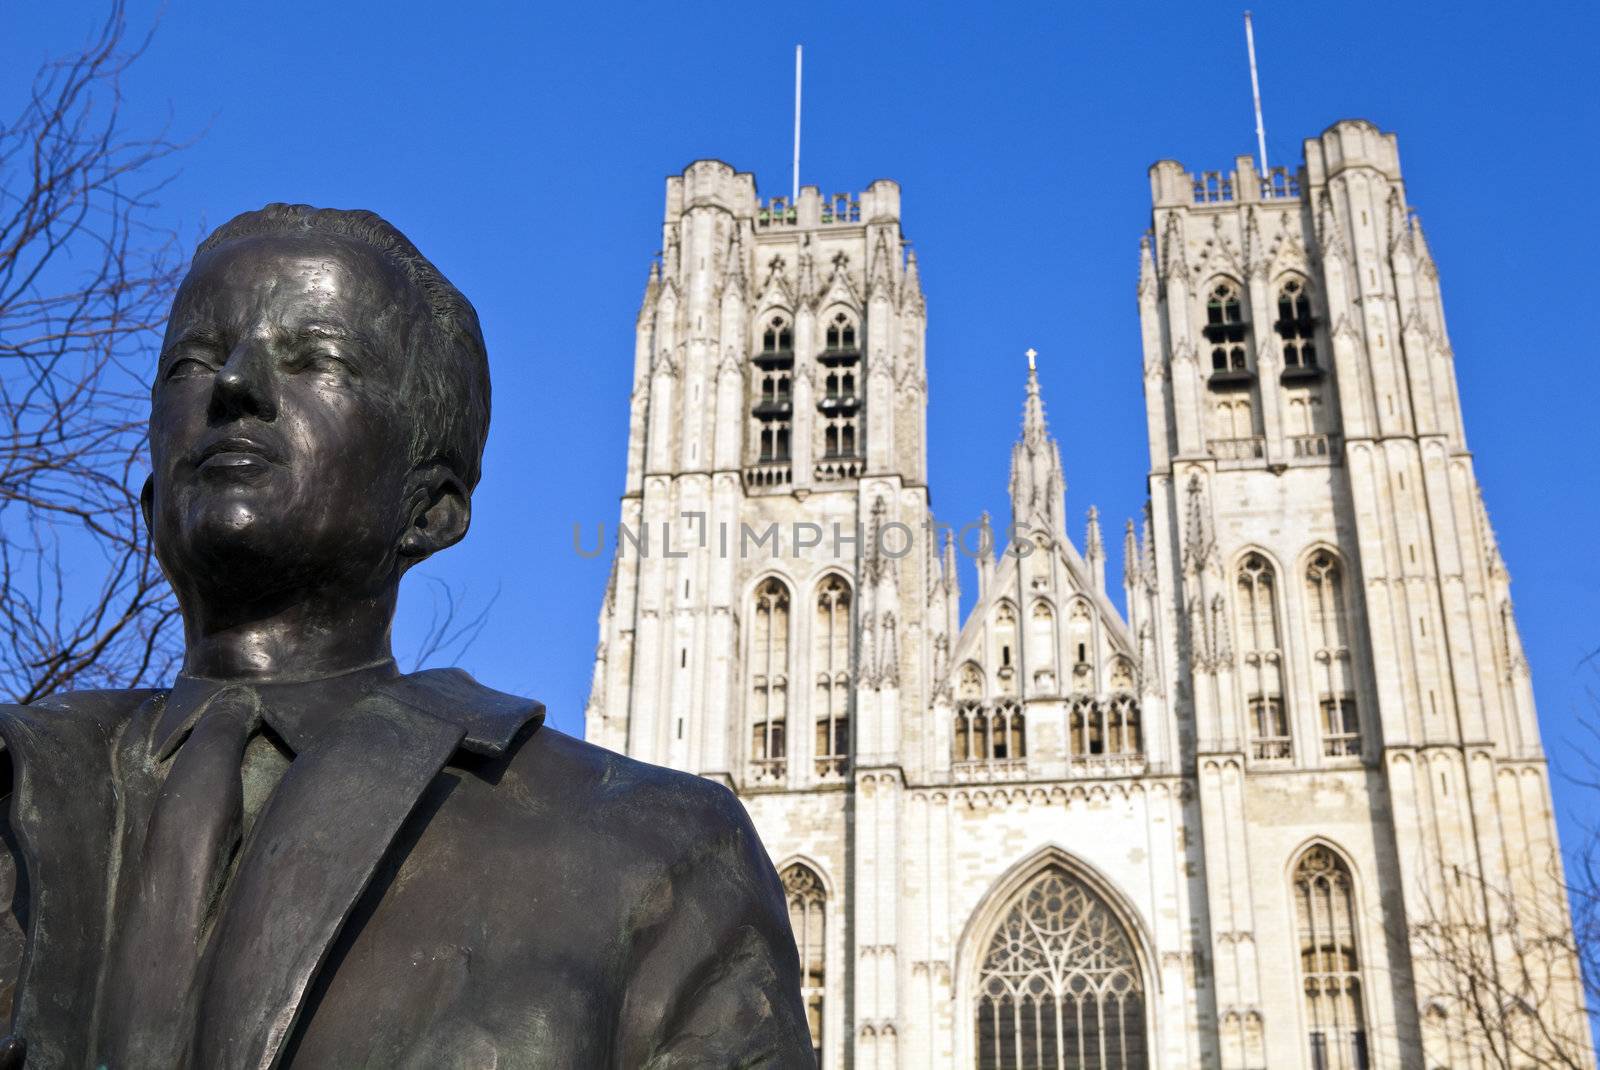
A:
(85, 283)
(446, 634)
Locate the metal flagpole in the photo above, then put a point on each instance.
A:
(1255, 91)
(794, 195)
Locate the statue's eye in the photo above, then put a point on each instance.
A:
(186, 367)
(322, 361)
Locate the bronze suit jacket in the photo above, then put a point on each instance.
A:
(438, 882)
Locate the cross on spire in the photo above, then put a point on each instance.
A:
(1031, 354)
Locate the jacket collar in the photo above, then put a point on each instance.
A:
(490, 719)
(299, 710)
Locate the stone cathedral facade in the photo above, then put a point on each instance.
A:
(1204, 827)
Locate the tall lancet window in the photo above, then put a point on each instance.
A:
(840, 406)
(1042, 647)
(769, 679)
(808, 905)
(831, 660)
(1295, 326)
(1330, 965)
(1059, 984)
(1080, 646)
(1330, 654)
(1006, 654)
(984, 734)
(1226, 331)
(1261, 659)
(841, 333)
(774, 401)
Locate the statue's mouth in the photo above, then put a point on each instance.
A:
(235, 454)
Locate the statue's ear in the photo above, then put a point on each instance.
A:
(441, 512)
(147, 501)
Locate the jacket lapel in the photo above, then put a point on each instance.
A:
(312, 853)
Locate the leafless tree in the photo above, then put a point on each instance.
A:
(1499, 970)
(1500, 963)
(85, 282)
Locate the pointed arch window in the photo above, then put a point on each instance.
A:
(1227, 330)
(777, 338)
(1330, 656)
(1261, 659)
(985, 734)
(1005, 648)
(1330, 963)
(1042, 646)
(1296, 327)
(1059, 984)
(1104, 729)
(769, 680)
(839, 406)
(808, 911)
(1080, 646)
(831, 659)
(773, 387)
(840, 333)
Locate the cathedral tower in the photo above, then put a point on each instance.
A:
(765, 623)
(1353, 691)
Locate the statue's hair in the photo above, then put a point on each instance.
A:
(450, 373)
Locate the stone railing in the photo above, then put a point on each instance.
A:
(1106, 765)
(1344, 745)
(1272, 748)
(1218, 187)
(1281, 182)
(767, 771)
(1311, 447)
(990, 769)
(777, 212)
(1213, 187)
(1252, 448)
(841, 208)
(767, 474)
(830, 471)
(832, 767)
(784, 212)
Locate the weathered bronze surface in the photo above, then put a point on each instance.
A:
(299, 856)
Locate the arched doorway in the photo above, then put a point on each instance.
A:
(1059, 985)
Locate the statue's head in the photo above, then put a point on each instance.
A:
(319, 410)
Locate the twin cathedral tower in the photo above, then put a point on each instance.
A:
(1206, 829)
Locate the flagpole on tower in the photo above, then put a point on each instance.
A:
(1255, 92)
(794, 197)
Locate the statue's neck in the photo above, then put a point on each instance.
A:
(304, 639)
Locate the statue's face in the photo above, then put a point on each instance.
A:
(279, 436)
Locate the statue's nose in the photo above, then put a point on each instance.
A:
(243, 387)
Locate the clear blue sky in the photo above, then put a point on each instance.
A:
(524, 150)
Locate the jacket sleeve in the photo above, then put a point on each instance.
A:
(13, 898)
(716, 978)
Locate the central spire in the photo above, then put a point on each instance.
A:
(1034, 432)
(1037, 485)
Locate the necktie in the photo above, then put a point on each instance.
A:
(194, 830)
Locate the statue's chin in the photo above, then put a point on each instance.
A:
(235, 551)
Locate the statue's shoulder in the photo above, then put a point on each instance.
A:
(86, 717)
(642, 808)
(525, 778)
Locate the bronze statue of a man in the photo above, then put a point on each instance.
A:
(299, 856)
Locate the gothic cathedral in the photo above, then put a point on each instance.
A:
(1209, 827)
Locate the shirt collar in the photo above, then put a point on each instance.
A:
(295, 709)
